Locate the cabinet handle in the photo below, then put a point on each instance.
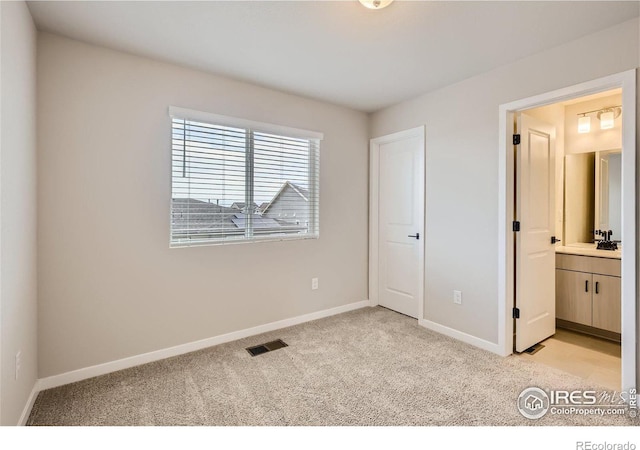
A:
(586, 286)
(597, 283)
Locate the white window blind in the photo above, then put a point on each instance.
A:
(234, 180)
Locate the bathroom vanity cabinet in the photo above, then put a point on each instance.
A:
(588, 296)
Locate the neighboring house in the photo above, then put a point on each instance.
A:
(290, 205)
(287, 213)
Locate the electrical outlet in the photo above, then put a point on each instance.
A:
(314, 284)
(18, 363)
(457, 297)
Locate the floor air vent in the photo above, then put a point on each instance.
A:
(534, 349)
(268, 347)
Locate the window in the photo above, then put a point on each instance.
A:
(234, 180)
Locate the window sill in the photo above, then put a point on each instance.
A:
(203, 243)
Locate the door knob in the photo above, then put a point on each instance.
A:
(554, 240)
(417, 235)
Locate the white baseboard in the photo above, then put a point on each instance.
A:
(125, 363)
(464, 337)
(26, 412)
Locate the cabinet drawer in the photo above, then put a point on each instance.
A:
(591, 264)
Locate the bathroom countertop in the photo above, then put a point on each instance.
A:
(589, 250)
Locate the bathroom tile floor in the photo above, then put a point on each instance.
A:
(594, 359)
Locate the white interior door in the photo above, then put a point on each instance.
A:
(535, 210)
(400, 243)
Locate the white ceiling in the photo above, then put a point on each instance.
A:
(336, 51)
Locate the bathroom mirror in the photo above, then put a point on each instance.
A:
(592, 195)
(608, 198)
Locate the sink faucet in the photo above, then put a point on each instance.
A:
(605, 243)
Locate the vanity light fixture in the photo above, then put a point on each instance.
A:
(606, 116)
(375, 4)
(584, 124)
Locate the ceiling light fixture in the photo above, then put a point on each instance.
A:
(376, 4)
(606, 116)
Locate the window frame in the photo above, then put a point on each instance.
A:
(253, 127)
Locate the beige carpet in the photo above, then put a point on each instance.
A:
(366, 367)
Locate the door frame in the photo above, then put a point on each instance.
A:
(506, 207)
(374, 185)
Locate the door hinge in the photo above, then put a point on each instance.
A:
(516, 225)
(516, 139)
(516, 313)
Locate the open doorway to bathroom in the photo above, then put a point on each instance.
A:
(567, 200)
(585, 218)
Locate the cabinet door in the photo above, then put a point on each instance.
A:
(606, 303)
(573, 296)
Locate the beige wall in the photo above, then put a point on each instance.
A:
(110, 287)
(462, 167)
(18, 292)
